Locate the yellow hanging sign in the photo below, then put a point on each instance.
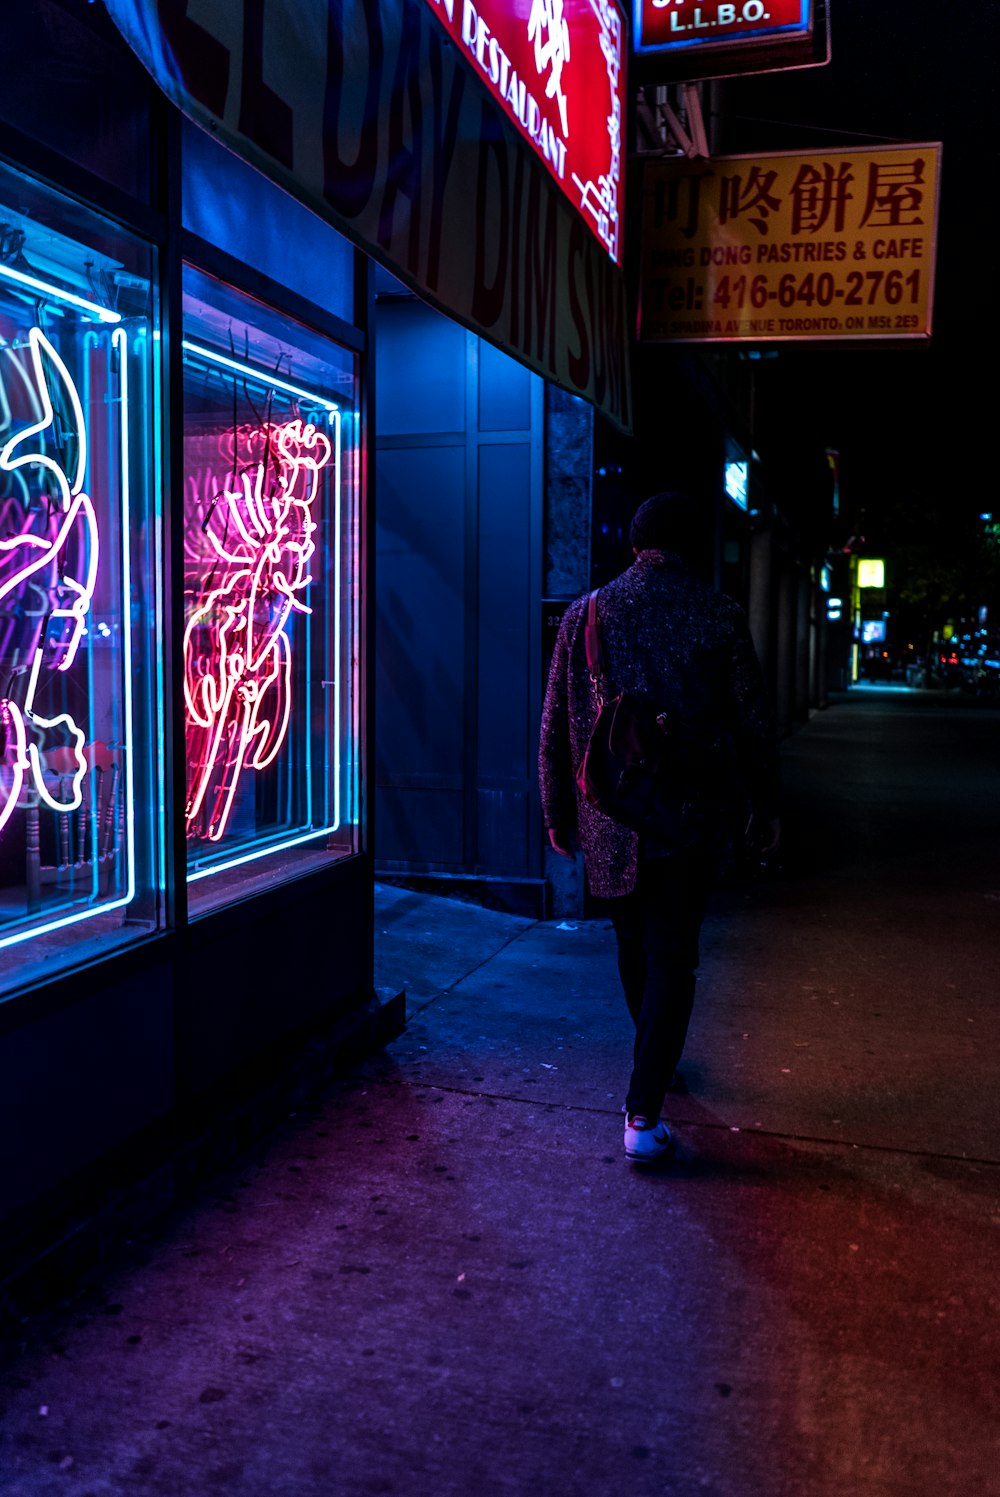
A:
(832, 244)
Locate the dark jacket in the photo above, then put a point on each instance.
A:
(685, 647)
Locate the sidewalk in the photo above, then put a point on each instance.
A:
(442, 1279)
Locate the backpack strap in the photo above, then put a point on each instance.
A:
(592, 644)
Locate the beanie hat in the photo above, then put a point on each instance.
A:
(670, 521)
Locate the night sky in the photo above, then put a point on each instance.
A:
(913, 425)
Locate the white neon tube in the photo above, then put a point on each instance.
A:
(261, 852)
(262, 377)
(103, 314)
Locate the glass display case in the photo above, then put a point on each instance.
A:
(270, 595)
(80, 615)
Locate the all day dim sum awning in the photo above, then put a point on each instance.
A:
(375, 118)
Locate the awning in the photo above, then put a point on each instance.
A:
(368, 114)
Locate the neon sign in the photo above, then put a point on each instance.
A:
(250, 536)
(676, 40)
(557, 69)
(50, 569)
(62, 560)
(237, 649)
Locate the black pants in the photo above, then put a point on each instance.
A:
(658, 927)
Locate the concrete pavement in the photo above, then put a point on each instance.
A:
(441, 1278)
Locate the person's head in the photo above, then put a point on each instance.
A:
(670, 521)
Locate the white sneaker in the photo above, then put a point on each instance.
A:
(645, 1141)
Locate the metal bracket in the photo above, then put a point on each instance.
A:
(693, 141)
(661, 124)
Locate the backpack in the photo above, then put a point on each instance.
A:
(657, 773)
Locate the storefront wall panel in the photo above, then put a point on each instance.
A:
(420, 645)
(458, 568)
(288, 243)
(257, 978)
(508, 647)
(72, 84)
(93, 1068)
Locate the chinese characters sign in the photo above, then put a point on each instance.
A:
(557, 68)
(838, 244)
(685, 39)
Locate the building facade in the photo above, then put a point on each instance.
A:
(316, 408)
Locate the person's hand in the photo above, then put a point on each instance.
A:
(560, 843)
(770, 837)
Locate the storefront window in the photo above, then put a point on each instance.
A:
(80, 836)
(270, 595)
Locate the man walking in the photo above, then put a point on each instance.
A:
(685, 649)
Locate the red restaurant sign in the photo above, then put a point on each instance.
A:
(557, 69)
(681, 39)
